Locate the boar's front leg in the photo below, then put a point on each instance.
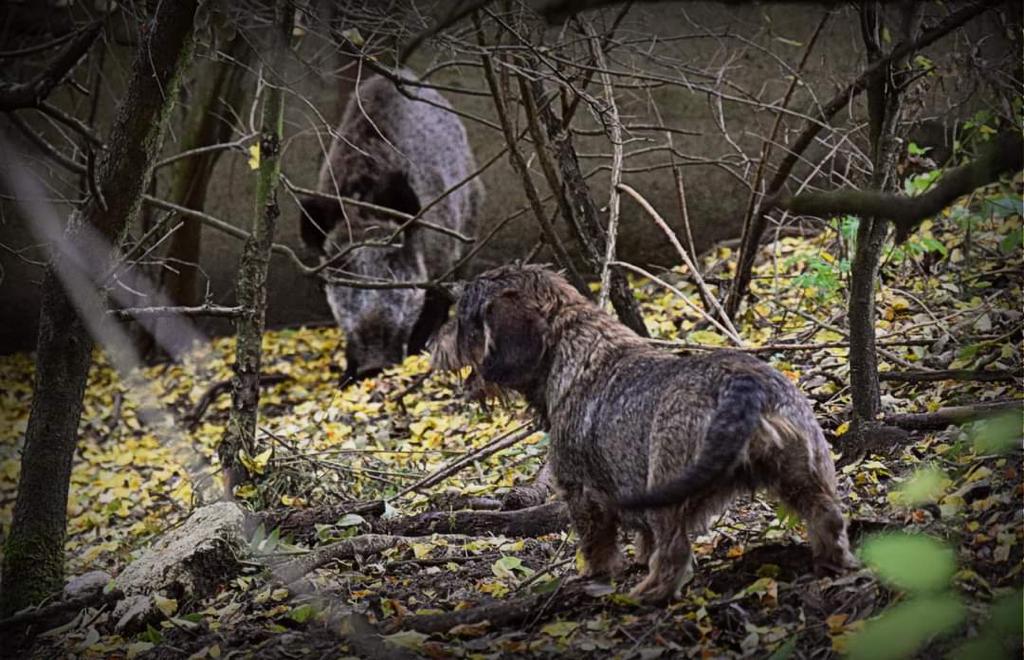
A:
(433, 316)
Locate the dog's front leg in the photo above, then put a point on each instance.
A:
(597, 524)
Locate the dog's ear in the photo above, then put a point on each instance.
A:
(317, 217)
(515, 339)
(443, 347)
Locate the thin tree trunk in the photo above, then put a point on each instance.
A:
(211, 125)
(884, 110)
(251, 285)
(583, 217)
(33, 564)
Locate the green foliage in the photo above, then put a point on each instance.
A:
(1003, 630)
(925, 485)
(914, 563)
(999, 434)
(904, 628)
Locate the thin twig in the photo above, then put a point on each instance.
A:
(731, 334)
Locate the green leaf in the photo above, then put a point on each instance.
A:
(1012, 241)
(560, 629)
(999, 434)
(915, 563)
(785, 649)
(302, 613)
(925, 485)
(409, 639)
(1008, 616)
(901, 630)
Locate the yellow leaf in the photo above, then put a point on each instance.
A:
(843, 428)
(166, 605)
(254, 156)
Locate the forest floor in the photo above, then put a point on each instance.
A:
(950, 299)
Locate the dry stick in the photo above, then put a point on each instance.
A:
(705, 292)
(953, 415)
(504, 441)
(387, 211)
(519, 163)
(363, 545)
(616, 174)
(979, 375)
(208, 309)
(772, 348)
(728, 332)
(816, 122)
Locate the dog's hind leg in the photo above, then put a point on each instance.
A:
(597, 524)
(671, 563)
(643, 541)
(826, 528)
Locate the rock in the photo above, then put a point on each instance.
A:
(82, 586)
(191, 560)
(134, 612)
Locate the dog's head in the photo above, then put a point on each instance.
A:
(503, 327)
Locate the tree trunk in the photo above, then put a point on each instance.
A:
(884, 110)
(33, 564)
(211, 125)
(251, 285)
(583, 217)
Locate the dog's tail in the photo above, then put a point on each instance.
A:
(734, 421)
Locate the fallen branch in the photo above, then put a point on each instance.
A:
(129, 313)
(534, 521)
(954, 415)
(979, 375)
(55, 614)
(1004, 154)
(193, 418)
(299, 523)
(363, 545)
(499, 614)
(697, 278)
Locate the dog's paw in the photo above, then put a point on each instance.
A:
(609, 567)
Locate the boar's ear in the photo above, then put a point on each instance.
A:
(394, 192)
(317, 217)
(516, 340)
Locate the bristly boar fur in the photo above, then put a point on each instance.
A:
(640, 438)
(401, 153)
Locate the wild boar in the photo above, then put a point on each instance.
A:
(400, 149)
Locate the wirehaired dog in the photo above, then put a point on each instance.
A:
(640, 438)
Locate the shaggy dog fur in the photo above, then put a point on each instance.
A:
(640, 438)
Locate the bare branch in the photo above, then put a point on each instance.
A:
(128, 313)
(31, 94)
(1004, 154)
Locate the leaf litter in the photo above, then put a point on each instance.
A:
(943, 303)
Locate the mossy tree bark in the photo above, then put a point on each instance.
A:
(251, 284)
(33, 564)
